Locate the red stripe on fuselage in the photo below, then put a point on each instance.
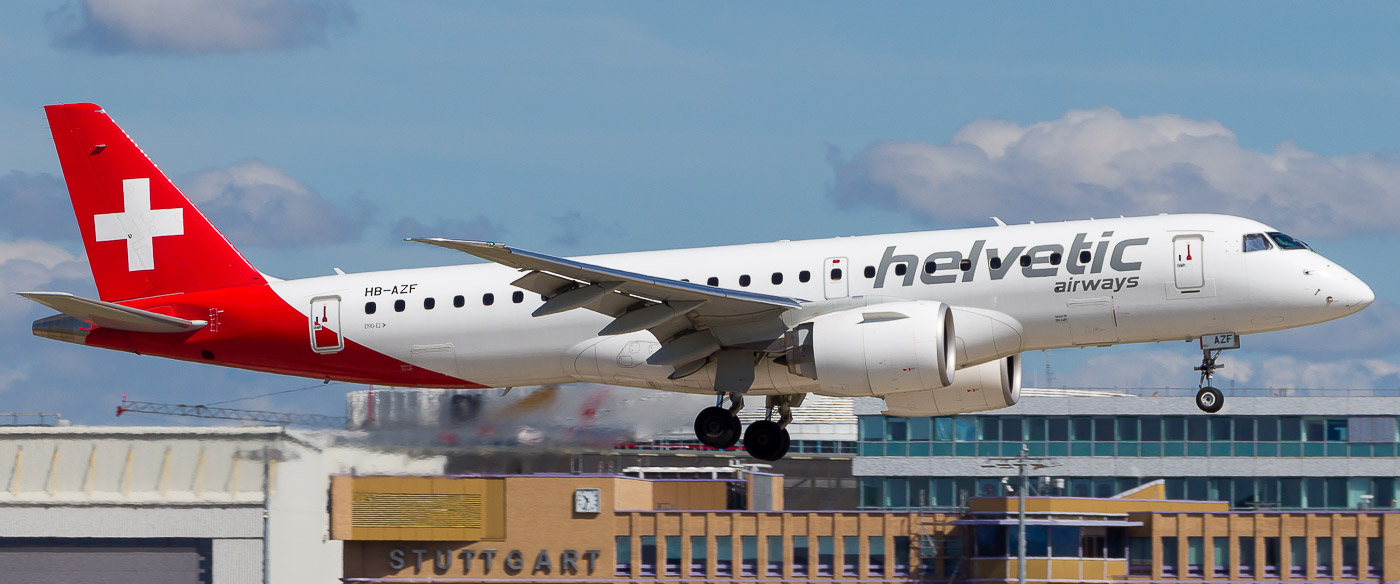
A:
(251, 327)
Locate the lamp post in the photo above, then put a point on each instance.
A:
(1022, 463)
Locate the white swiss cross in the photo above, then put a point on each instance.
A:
(138, 224)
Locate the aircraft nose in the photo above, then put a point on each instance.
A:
(1353, 294)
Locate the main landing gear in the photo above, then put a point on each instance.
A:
(1208, 398)
(767, 440)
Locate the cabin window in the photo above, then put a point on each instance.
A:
(1287, 242)
(804, 276)
(459, 301)
(370, 307)
(995, 263)
(517, 297)
(870, 271)
(712, 281)
(429, 303)
(777, 278)
(488, 299)
(399, 305)
(836, 274)
(1256, 242)
(744, 280)
(930, 267)
(1085, 256)
(965, 265)
(1055, 258)
(1025, 261)
(901, 269)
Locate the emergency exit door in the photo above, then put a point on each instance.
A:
(836, 278)
(325, 325)
(1190, 271)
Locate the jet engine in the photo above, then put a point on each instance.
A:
(877, 349)
(989, 386)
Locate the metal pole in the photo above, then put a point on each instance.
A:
(267, 516)
(1021, 521)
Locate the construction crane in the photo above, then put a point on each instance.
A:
(200, 411)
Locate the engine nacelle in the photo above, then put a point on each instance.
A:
(989, 386)
(985, 335)
(878, 349)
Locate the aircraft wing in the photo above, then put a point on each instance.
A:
(692, 321)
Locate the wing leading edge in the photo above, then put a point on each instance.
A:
(693, 322)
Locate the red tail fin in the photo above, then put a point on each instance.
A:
(143, 236)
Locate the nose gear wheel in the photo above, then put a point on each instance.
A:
(1209, 399)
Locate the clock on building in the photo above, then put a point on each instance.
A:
(587, 501)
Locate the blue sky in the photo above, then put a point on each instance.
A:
(578, 128)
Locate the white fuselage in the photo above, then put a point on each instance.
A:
(1169, 277)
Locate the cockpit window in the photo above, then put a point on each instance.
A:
(1256, 242)
(1287, 242)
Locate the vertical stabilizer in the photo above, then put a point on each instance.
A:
(143, 236)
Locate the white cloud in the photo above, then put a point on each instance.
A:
(196, 26)
(255, 203)
(1100, 163)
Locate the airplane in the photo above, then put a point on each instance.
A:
(933, 322)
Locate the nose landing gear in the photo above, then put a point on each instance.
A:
(1208, 398)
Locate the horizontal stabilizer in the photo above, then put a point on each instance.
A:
(113, 316)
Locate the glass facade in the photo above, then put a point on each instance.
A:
(1134, 436)
(1131, 436)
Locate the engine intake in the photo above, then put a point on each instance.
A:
(879, 349)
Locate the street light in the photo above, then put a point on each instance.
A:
(1021, 463)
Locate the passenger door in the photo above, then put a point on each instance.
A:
(1190, 271)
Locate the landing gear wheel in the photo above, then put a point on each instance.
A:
(1210, 400)
(766, 440)
(717, 428)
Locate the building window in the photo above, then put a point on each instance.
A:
(1375, 557)
(1170, 557)
(1273, 557)
(698, 566)
(1139, 556)
(648, 555)
(1297, 556)
(903, 550)
(429, 303)
(1350, 557)
(876, 556)
(1221, 561)
(488, 299)
(800, 558)
(850, 555)
(459, 301)
(399, 305)
(775, 556)
(370, 307)
(826, 555)
(724, 556)
(748, 565)
(673, 555)
(1195, 557)
(622, 551)
(1246, 557)
(1324, 557)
